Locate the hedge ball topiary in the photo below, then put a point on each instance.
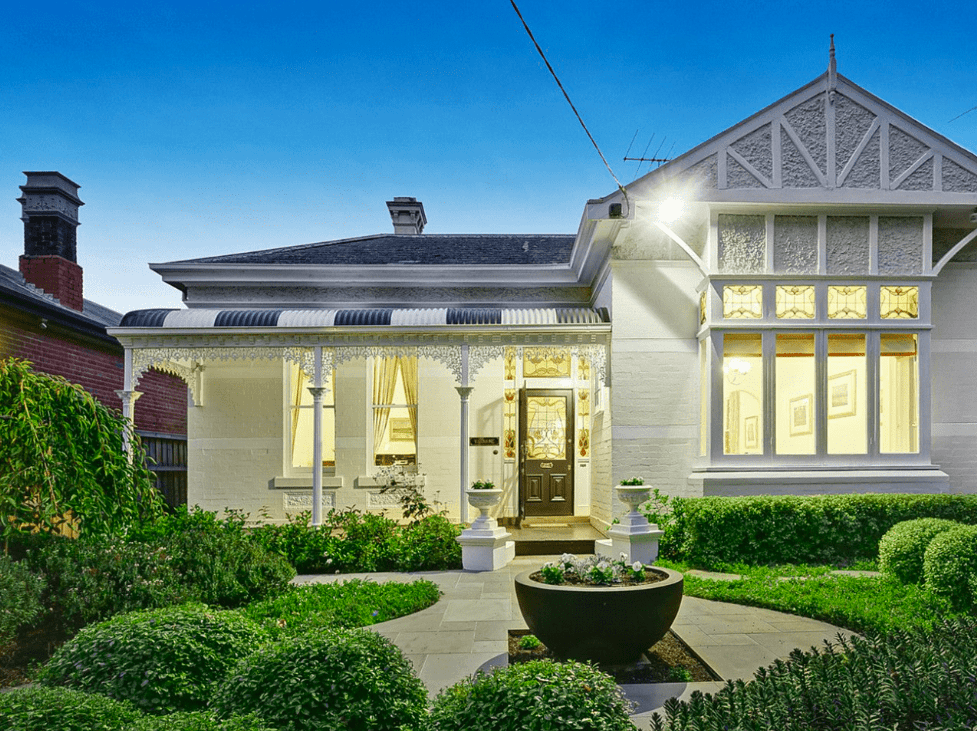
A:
(534, 696)
(162, 660)
(329, 679)
(902, 548)
(950, 565)
(38, 708)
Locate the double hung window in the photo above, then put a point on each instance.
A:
(395, 410)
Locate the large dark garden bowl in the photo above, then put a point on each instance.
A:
(606, 624)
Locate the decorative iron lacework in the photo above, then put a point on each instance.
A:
(743, 301)
(899, 303)
(846, 303)
(168, 359)
(183, 361)
(795, 302)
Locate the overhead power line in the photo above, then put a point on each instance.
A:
(567, 97)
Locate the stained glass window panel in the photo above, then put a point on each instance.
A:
(899, 303)
(546, 424)
(546, 363)
(743, 301)
(795, 302)
(846, 303)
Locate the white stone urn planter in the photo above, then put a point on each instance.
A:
(633, 536)
(485, 546)
(483, 500)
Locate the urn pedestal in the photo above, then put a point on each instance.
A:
(634, 536)
(485, 546)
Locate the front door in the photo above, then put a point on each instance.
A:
(546, 447)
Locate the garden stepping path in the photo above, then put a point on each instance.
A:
(467, 630)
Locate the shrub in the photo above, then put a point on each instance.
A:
(226, 568)
(950, 565)
(20, 598)
(712, 531)
(42, 709)
(351, 541)
(326, 680)
(199, 721)
(904, 680)
(161, 660)
(89, 581)
(306, 548)
(354, 603)
(902, 547)
(539, 695)
(428, 545)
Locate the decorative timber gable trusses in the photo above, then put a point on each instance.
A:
(831, 141)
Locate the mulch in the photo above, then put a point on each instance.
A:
(670, 652)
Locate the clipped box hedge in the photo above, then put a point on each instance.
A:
(774, 529)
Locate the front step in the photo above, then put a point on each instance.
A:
(554, 547)
(554, 535)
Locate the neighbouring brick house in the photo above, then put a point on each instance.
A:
(44, 318)
(802, 323)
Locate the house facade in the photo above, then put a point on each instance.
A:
(786, 308)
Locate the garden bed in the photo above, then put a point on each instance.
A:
(662, 663)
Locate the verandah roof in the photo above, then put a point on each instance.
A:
(380, 317)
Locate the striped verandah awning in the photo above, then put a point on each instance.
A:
(463, 339)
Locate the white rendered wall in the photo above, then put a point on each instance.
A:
(954, 375)
(654, 374)
(235, 444)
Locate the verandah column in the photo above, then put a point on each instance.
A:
(128, 397)
(317, 391)
(464, 391)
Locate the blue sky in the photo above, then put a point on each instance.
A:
(205, 128)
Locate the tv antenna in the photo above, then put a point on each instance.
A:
(654, 158)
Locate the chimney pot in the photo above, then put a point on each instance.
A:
(407, 215)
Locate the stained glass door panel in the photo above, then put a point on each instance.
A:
(546, 419)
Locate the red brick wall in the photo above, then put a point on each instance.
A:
(57, 276)
(98, 367)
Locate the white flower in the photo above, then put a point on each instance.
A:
(636, 566)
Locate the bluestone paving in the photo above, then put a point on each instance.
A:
(467, 630)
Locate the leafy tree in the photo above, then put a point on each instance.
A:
(63, 459)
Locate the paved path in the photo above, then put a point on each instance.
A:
(468, 630)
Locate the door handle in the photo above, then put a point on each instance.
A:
(546, 465)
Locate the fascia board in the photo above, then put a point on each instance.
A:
(250, 337)
(391, 275)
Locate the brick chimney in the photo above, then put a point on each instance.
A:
(408, 215)
(50, 214)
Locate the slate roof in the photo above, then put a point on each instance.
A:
(420, 249)
(95, 316)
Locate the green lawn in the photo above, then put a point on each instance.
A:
(860, 604)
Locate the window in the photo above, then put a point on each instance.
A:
(796, 387)
(395, 410)
(898, 393)
(742, 393)
(300, 418)
(846, 395)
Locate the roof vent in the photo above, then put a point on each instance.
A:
(407, 214)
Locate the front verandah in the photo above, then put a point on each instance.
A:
(239, 420)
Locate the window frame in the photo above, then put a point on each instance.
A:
(372, 450)
(711, 334)
(329, 375)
